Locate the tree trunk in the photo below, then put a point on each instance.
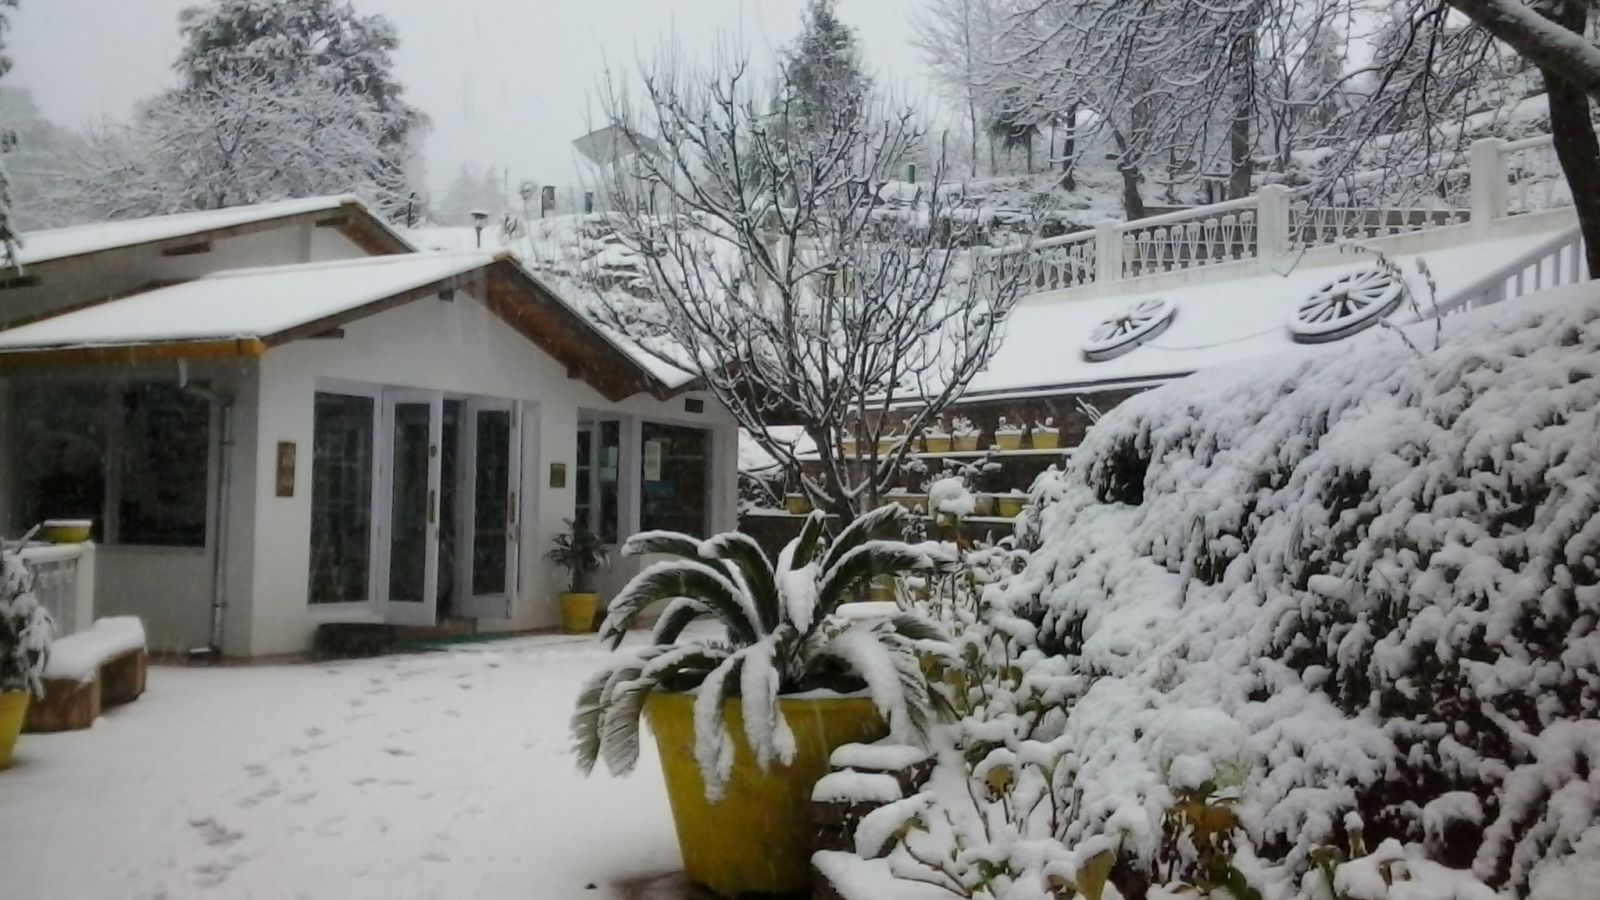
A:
(1572, 134)
(1069, 150)
(1132, 203)
(1241, 168)
(1029, 137)
(972, 119)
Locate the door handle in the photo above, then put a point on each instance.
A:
(433, 503)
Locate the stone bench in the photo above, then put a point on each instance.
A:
(100, 667)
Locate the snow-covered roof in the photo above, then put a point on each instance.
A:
(242, 303)
(754, 458)
(1217, 321)
(61, 243)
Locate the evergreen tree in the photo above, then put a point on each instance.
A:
(824, 80)
(292, 40)
(8, 236)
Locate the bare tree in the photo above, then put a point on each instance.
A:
(779, 272)
(8, 236)
(953, 37)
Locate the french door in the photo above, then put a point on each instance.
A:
(448, 517)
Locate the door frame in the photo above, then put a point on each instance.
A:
(497, 605)
(398, 612)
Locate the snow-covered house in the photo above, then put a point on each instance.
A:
(284, 415)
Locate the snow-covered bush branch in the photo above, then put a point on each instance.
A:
(1335, 616)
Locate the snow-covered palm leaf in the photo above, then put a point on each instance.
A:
(883, 522)
(585, 725)
(675, 579)
(760, 680)
(675, 618)
(713, 746)
(866, 561)
(619, 735)
(745, 553)
(688, 671)
(916, 628)
(665, 543)
(894, 678)
(800, 550)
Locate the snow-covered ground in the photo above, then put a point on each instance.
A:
(434, 775)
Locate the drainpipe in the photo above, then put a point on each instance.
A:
(219, 554)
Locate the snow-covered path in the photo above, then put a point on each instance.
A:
(436, 775)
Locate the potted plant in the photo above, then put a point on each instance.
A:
(797, 504)
(25, 631)
(1046, 436)
(579, 551)
(740, 746)
(1007, 436)
(935, 440)
(964, 434)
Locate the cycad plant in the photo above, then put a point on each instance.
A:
(783, 635)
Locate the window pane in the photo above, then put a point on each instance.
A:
(408, 504)
(165, 445)
(58, 452)
(610, 457)
(341, 498)
(583, 477)
(490, 502)
(674, 483)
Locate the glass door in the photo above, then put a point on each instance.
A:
(489, 528)
(413, 422)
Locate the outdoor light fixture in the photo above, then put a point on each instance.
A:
(479, 219)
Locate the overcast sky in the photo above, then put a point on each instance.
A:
(507, 82)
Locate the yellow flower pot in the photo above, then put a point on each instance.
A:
(964, 443)
(1008, 440)
(936, 443)
(1007, 506)
(757, 839)
(577, 612)
(66, 531)
(1046, 440)
(983, 505)
(13, 709)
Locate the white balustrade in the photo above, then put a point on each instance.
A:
(63, 582)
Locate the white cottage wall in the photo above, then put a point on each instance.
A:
(454, 346)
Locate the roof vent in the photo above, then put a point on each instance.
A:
(1128, 329)
(1345, 305)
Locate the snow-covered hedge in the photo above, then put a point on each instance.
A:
(1355, 593)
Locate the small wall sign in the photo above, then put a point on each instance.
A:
(285, 469)
(558, 475)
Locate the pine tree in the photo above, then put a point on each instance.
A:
(290, 40)
(8, 236)
(824, 78)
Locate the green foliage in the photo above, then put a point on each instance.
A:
(25, 629)
(780, 627)
(579, 551)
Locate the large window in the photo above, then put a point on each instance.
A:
(595, 478)
(132, 458)
(341, 498)
(674, 482)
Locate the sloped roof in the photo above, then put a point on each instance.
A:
(1217, 321)
(244, 312)
(81, 240)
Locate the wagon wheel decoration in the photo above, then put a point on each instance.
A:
(1345, 306)
(1128, 329)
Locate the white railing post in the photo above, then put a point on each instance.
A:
(1488, 183)
(1107, 253)
(1272, 223)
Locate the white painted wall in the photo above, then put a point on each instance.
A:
(455, 346)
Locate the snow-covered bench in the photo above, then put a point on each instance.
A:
(99, 667)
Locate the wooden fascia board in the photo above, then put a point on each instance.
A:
(153, 351)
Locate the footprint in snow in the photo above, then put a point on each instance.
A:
(214, 833)
(255, 770)
(398, 751)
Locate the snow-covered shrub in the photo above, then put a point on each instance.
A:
(782, 636)
(25, 629)
(1273, 616)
